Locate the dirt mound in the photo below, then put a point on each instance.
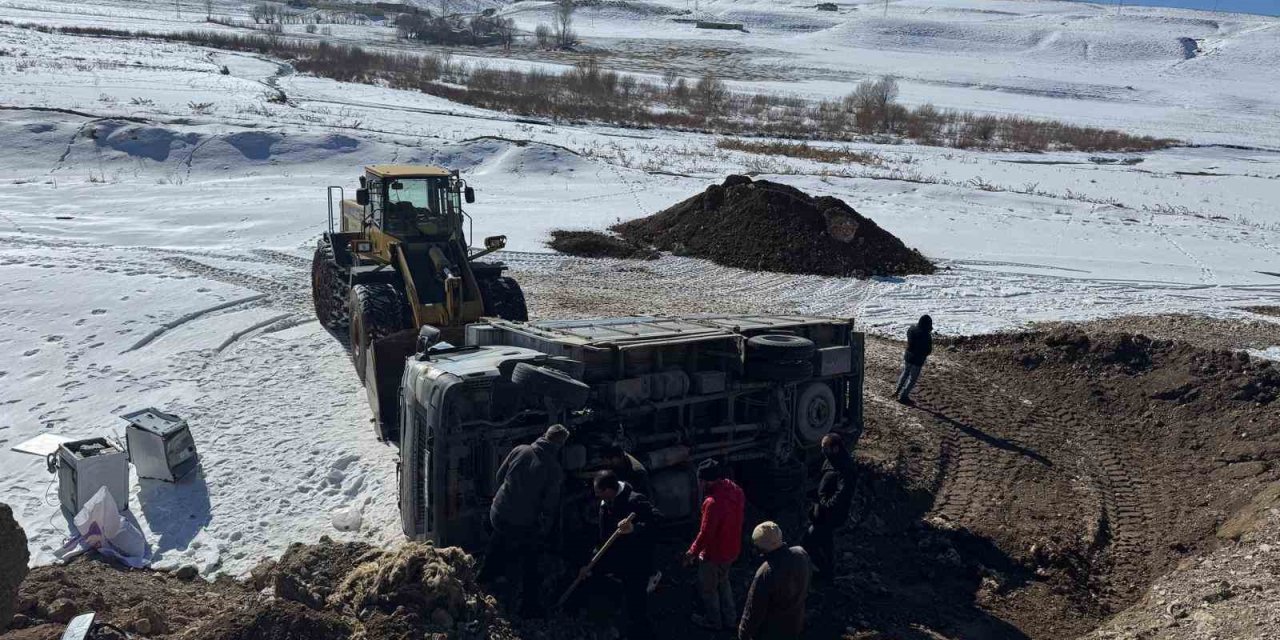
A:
(767, 226)
(13, 563)
(309, 574)
(1178, 371)
(416, 576)
(593, 244)
(154, 604)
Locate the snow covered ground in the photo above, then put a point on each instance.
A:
(156, 216)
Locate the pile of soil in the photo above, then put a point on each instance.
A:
(767, 226)
(13, 562)
(417, 577)
(153, 604)
(593, 244)
(309, 573)
(1164, 370)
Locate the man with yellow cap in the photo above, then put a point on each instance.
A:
(775, 604)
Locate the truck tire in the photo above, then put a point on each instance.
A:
(503, 298)
(376, 310)
(771, 371)
(779, 347)
(328, 289)
(815, 412)
(549, 383)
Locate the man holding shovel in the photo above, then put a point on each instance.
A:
(627, 519)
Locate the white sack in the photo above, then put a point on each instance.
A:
(100, 526)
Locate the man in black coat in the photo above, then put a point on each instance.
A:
(919, 346)
(831, 510)
(630, 559)
(523, 510)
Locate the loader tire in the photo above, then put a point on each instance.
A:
(779, 347)
(377, 311)
(545, 382)
(329, 289)
(503, 298)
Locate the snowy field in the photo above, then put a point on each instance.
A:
(156, 215)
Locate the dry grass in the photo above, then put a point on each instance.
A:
(831, 155)
(588, 92)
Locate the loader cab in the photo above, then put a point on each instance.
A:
(414, 201)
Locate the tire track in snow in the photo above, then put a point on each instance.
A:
(185, 318)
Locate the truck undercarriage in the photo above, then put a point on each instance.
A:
(756, 392)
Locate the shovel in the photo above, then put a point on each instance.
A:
(594, 559)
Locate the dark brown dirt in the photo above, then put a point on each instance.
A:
(593, 244)
(1044, 480)
(309, 574)
(155, 604)
(767, 226)
(1212, 333)
(1266, 311)
(13, 563)
(274, 620)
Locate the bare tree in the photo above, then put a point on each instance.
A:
(564, 23)
(873, 104)
(208, 9)
(711, 93)
(542, 33)
(506, 28)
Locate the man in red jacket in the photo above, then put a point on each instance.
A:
(717, 546)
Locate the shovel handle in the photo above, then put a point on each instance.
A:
(596, 558)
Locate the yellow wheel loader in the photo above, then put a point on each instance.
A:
(396, 261)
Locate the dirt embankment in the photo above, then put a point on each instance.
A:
(326, 591)
(1048, 478)
(762, 226)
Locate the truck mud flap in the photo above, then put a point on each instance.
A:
(384, 369)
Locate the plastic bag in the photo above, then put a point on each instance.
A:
(100, 526)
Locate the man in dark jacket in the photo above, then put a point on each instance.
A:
(775, 603)
(524, 507)
(919, 346)
(831, 510)
(717, 546)
(630, 559)
(628, 468)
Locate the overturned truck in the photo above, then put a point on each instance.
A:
(756, 392)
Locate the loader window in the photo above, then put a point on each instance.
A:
(424, 204)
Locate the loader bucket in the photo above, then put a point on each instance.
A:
(384, 369)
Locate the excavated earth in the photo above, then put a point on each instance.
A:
(767, 226)
(1051, 484)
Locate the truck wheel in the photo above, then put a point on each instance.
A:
(771, 371)
(503, 298)
(376, 312)
(815, 412)
(328, 289)
(779, 347)
(549, 383)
